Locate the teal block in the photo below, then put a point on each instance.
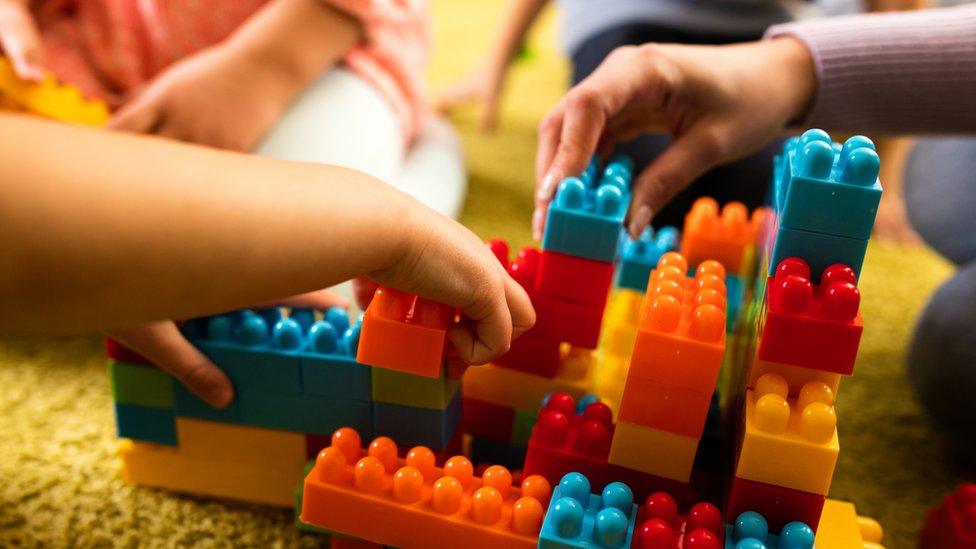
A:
(140, 385)
(405, 389)
(818, 250)
(585, 219)
(188, 404)
(145, 423)
(639, 257)
(410, 426)
(578, 519)
(337, 377)
(250, 368)
(304, 414)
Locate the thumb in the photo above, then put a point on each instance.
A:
(21, 42)
(162, 343)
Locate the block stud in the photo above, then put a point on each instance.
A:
(422, 458)
(445, 495)
(537, 487)
(567, 515)
(368, 475)
(498, 478)
(460, 468)
(348, 441)
(664, 313)
(818, 422)
(571, 193)
(486, 505)
(816, 160)
(772, 413)
(575, 486)
(527, 516)
(330, 465)
(385, 450)
(610, 528)
(408, 485)
(662, 506)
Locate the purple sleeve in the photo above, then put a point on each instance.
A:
(907, 72)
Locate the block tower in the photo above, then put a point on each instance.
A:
(807, 327)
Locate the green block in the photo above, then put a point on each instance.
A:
(140, 385)
(522, 427)
(415, 391)
(299, 491)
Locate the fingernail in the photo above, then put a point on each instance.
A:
(221, 397)
(537, 224)
(545, 190)
(640, 221)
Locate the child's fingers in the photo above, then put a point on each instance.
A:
(363, 290)
(141, 115)
(162, 343)
(319, 299)
(520, 306)
(486, 328)
(21, 42)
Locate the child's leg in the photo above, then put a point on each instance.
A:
(745, 180)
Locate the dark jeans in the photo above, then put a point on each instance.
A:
(745, 180)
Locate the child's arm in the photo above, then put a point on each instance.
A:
(102, 230)
(485, 82)
(903, 72)
(229, 95)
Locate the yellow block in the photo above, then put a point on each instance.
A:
(50, 99)
(619, 331)
(653, 451)
(841, 528)
(165, 467)
(789, 442)
(522, 391)
(795, 376)
(609, 380)
(268, 448)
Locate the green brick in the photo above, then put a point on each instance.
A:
(405, 389)
(522, 427)
(140, 385)
(299, 492)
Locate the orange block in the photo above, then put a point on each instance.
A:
(410, 503)
(405, 333)
(666, 407)
(725, 238)
(681, 332)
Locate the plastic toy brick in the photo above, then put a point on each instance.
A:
(574, 279)
(778, 505)
(681, 335)
(523, 391)
(145, 423)
(167, 467)
(120, 353)
(404, 333)
(666, 407)
(584, 220)
(610, 379)
(487, 420)
(411, 503)
(522, 426)
(413, 426)
(808, 325)
(533, 353)
(795, 376)
(789, 442)
(751, 530)
(828, 188)
(620, 323)
(653, 451)
(819, 250)
(578, 325)
(724, 238)
(140, 385)
(579, 519)
(271, 449)
(484, 450)
(638, 257)
(303, 413)
(524, 267)
(841, 526)
(187, 404)
(328, 362)
(50, 99)
(299, 492)
(952, 524)
(659, 526)
(392, 387)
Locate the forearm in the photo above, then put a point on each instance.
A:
(911, 72)
(114, 229)
(516, 23)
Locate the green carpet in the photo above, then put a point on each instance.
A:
(59, 476)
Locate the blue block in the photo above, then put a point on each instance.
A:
(146, 424)
(639, 257)
(750, 531)
(337, 377)
(304, 413)
(828, 188)
(255, 368)
(578, 518)
(410, 426)
(818, 250)
(188, 404)
(584, 220)
(484, 450)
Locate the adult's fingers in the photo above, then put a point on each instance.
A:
(162, 343)
(21, 41)
(140, 115)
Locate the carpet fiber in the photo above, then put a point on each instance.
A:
(60, 476)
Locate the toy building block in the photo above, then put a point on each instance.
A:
(140, 385)
(418, 426)
(523, 391)
(808, 325)
(653, 451)
(662, 406)
(187, 404)
(145, 423)
(638, 257)
(953, 523)
(660, 526)
(778, 505)
(559, 320)
(328, 361)
(302, 413)
(51, 99)
(574, 279)
(533, 353)
(522, 426)
(579, 519)
(828, 188)
(269, 448)
(795, 376)
(584, 219)
(120, 353)
(818, 249)
(620, 323)
(750, 529)
(681, 334)
(392, 387)
(841, 526)
(789, 442)
(404, 333)
(411, 503)
(486, 420)
(725, 238)
(339, 542)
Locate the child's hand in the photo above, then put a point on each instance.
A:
(217, 97)
(162, 343)
(483, 87)
(719, 104)
(20, 40)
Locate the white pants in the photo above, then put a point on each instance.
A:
(342, 120)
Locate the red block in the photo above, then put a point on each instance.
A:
(776, 504)
(533, 354)
(810, 325)
(574, 279)
(524, 268)
(405, 333)
(487, 420)
(660, 526)
(578, 325)
(116, 351)
(952, 524)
